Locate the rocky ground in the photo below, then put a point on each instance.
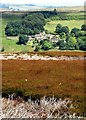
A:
(38, 57)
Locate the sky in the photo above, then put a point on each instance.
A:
(47, 2)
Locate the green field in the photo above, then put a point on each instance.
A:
(50, 26)
(10, 44)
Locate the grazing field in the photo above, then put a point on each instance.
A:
(50, 26)
(10, 44)
(58, 78)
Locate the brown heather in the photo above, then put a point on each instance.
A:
(46, 78)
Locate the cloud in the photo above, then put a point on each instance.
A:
(46, 2)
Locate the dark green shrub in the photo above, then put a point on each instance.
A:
(23, 39)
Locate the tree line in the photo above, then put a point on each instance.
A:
(73, 40)
(68, 40)
(29, 25)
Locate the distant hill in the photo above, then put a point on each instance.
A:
(30, 4)
(19, 7)
(4, 5)
(33, 7)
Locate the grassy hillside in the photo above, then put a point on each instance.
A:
(11, 46)
(71, 9)
(50, 26)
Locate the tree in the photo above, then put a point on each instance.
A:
(30, 24)
(36, 31)
(37, 48)
(62, 45)
(79, 33)
(62, 29)
(46, 45)
(65, 29)
(63, 36)
(55, 11)
(12, 29)
(83, 46)
(31, 32)
(2, 50)
(58, 28)
(34, 20)
(83, 27)
(23, 39)
(71, 43)
(75, 30)
(82, 43)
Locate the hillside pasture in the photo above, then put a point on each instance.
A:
(9, 43)
(50, 26)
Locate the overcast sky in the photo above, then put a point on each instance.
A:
(47, 2)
